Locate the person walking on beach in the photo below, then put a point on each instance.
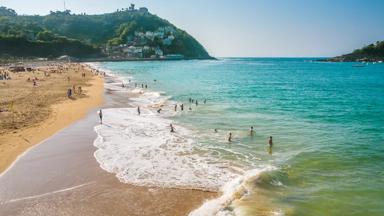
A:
(138, 110)
(197, 103)
(230, 137)
(251, 131)
(270, 142)
(175, 107)
(101, 116)
(182, 107)
(172, 128)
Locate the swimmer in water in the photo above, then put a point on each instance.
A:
(172, 128)
(205, 101)
(215, 130)
(138, 110)
(230, 137)
(251, 131)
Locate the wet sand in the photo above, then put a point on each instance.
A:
(61, 177)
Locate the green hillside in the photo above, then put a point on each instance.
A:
(127, 33)
(370, 53)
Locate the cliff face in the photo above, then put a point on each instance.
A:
(370, 53)
(80, 35)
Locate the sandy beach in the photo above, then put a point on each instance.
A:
(33, 112)
(60, 176)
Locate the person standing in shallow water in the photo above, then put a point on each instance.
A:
(270, 142)
(230, 137)
(251, 131)
(138, 110)
(101, 116)
(172, 128)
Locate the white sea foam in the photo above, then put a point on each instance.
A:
(142, 151)
(234, 189)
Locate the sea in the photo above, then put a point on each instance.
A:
(326, 121)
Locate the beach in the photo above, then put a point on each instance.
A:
(61, 176)
(324, 127)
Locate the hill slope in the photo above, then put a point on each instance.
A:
(127, 33)
(370, 53)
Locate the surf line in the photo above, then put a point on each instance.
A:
(46, 194)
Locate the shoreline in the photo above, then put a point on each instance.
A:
(61, 176)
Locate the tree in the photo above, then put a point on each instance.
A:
(7, 12)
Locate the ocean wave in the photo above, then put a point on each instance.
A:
(234, 189)
(141, 150)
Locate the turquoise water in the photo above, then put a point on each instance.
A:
(326, 119)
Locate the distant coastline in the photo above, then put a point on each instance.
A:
(370, 53)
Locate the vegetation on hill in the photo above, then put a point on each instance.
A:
(370, 53)
(81, 35)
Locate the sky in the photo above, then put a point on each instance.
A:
(251, 28)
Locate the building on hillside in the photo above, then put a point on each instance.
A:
(149, 35)
(159, 34)
(168, 41)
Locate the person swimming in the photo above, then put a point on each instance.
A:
(172, 128)
(215, 130)
(251, 131)
(270, 142)
(138, 110)
(230, 137)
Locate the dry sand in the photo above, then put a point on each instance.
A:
(40, 111)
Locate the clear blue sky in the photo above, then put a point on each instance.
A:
(252, 27)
